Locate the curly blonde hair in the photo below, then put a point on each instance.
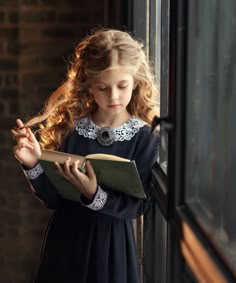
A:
(72, 100)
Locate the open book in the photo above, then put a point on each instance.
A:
(112, 171)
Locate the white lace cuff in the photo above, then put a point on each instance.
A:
(99, 200)
(34, 172)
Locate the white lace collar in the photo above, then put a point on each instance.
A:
(88, 129)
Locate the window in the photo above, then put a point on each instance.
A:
(211, 136)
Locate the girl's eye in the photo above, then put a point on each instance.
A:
(122, 86)
(102, 88)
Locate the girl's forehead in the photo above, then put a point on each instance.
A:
(114, 75)
(116, 71)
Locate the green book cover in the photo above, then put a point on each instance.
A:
(117, 175)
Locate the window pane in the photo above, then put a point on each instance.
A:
(155, 42)
(211, 138)
(163, 21)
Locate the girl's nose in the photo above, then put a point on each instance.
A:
(113, 93)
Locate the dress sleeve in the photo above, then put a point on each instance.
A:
(42, 188)
(118, 204)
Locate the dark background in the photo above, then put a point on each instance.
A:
(37, 38)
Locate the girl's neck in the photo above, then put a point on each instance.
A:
(110, 121)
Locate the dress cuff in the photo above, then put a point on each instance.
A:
(34, 172)
(99, 200)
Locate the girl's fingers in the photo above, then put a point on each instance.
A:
(23, 133)
(30, 135)
(14, 134)
(58, 168)
(67, 165)
(67, 169)
(19, 123)
(90, 171)
(76, 167)
(18, 135)
(23, 145)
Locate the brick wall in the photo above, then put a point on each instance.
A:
(36, 39)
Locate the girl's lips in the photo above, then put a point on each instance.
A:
(113, 105)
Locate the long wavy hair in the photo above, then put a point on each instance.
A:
(72, 100)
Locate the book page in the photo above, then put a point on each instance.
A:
(60, 157)
(104, 156)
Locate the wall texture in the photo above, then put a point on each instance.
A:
(37, 38)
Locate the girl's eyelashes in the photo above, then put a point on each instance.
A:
(99, 87)
(103, 88)
(122, 86)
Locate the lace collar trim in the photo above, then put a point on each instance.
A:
(86, 127)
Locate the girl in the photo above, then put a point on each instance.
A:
(109, 84)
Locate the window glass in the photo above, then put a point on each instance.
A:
(147, 26)
(164, 33)
(210, 135)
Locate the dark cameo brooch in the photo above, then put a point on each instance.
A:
(106, 136)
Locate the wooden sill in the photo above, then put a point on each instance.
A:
(199, 261)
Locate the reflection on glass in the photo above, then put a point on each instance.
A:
(211, 135)
(154, 48)
(162, 71)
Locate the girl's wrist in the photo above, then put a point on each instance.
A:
(91, 195)
(97, 202)
(29, 165)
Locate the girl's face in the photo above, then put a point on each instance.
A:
(112, 90)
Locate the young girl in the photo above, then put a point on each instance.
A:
(110, 88)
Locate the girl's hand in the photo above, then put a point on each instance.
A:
(86, 183)
(27, 150)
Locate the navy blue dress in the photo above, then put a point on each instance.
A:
(93, 241)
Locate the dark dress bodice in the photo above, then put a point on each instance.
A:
(84, 245)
